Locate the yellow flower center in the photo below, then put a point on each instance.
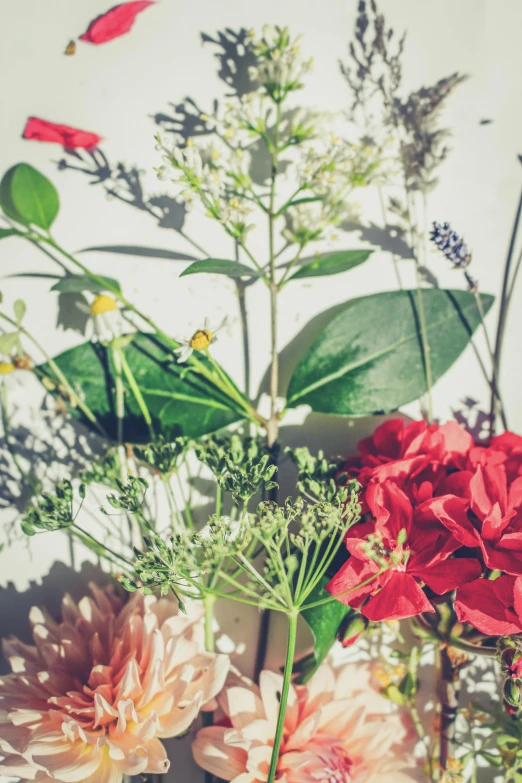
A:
(103, 304)
(6, 367)
(201, 340)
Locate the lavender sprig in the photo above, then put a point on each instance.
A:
(451, 244)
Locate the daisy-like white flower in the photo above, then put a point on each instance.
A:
(6, 365)
(91, 700)
(200, 341)
(338, 729)
(105, 318)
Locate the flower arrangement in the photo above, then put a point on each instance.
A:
(407, 553)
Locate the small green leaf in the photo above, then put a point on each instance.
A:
(220, 266)
(331, 264)
(8, 342)
(9, 232)
(29, 197)
(77, 284)
(324, 622)
(369, 359)
(19, 310)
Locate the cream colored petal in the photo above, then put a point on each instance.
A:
(242, 706)
(213, 755)
(179, 720)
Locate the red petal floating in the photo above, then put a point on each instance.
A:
(71, 138)
(117, 21)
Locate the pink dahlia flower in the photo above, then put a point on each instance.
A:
(338, 729)
(94, 696)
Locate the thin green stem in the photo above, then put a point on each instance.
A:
(208, 603)
(131, 380)
(186, 505)
(120, 394)
(287, 677)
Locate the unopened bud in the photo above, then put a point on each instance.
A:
(513, 692)
(352, 629)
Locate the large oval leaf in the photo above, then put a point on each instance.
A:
(369, 357)
(332, 264)
(180, 402)
(219, 266)
(29, 197)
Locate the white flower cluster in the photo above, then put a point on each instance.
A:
(280, 68)
(217, 183)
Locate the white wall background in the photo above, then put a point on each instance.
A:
(114, 90)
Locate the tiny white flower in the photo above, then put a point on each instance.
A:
(201, 340)
(105, 318)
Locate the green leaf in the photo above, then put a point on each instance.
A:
(324, 622)
(9, 232)
(369, 357)
(29, 197)
(332, 264)
(19, 310)
(8, 342)
(220, 266)
(179, 400)
(77, 284)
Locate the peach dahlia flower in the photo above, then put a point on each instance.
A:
(338, 729)
(94, 696)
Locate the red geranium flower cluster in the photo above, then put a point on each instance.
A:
(440, 513)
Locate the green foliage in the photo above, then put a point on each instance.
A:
(180, 401)
(77, 284)
(28, 197)
(242, 466)
(331, 264)
(9, 232)
(130, 495)
(319, 478)
(164, 456)
(369, 357)
(54, 511)
(324, 622)
(219, 266)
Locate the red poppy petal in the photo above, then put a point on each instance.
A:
(450, 574)
(117, 21)
(401, 597)
(71, 138)
(485, 605)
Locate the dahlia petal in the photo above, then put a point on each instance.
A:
(180, 719)
(212, 754)
(341, 717)
(321, 689)
(17, 766)
(130, 685)
(304, 732)
(258, 761)
(401, 597)
(153, 683)
(270, 684)
(242, 706)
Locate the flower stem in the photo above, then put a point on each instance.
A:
(449, 689)
(502, 317)
(290, 651)
(131, 380)
(208, 602)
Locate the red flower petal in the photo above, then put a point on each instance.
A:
(71, 138)
(117, 21)
(488, 605)
(351, 574)
(452, 512)
(448, 575)
(401, 597)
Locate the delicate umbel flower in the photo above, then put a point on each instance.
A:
(451, 244)
(200, 341)
(280, 68)
(92, 698)
(338, 729)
